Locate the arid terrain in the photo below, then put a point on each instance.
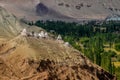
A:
(30, 58)
(69, 10)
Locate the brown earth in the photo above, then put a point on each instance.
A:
(25, 58)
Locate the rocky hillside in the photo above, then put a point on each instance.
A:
(8, 24)
(31, 58)
(62, 9)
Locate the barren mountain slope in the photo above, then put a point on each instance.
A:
(62, 9)
(26, 58)
(30, 58)
(10, 26)
(8, 23)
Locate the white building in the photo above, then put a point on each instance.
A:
(43, 34)
(24, 32)
(39, 35)
(67, 44)
(35, 34)
(46, 35)
(59, 37)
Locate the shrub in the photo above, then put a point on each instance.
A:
(118, 57)
(112, 54)
(84, 40)
(60, 4)
(117, 47)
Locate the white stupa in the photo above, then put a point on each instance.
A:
(46, 35)
(42, 34)
(67, 44)
(24, 32)
(59, 37)
(39, 35)
(35, 34)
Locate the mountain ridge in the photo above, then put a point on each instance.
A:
(63, 10)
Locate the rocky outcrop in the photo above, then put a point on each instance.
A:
(9, 25)
(32, 59)
(50, 70)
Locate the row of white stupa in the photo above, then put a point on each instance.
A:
(42, 34)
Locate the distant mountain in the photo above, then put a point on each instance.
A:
(62, 9)
(30, 58)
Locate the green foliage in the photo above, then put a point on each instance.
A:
(118, 57)
(117, 47)
(117, 72)
(113, 69)
(112, 53)
(72, 29)
(106, 62)
(84, 40)
(69, 39)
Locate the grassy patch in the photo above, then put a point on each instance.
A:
(117, 64)
(117, 47)
(112, 49)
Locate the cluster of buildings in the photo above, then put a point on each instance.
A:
(43, 35)
(113, 18)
